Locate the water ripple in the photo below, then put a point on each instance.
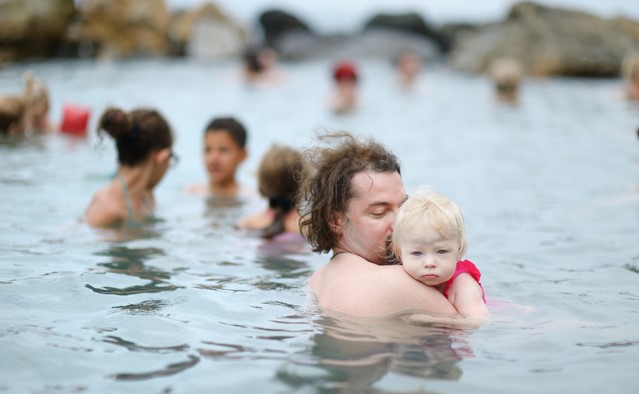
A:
(170, 369)
(151, 287)
(150, 306)
(610, 344)
(147, 349)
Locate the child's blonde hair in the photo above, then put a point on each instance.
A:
(35, 91)
(427, 206)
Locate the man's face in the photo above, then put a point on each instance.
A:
(368, 221)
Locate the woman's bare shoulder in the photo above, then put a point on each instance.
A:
(104, 209)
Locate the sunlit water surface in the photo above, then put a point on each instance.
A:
(188, 304)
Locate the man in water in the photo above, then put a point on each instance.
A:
(349, 208)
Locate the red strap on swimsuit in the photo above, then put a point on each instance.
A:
(465, 267)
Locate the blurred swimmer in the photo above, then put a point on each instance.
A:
(144, 143)
(280, 174)
(224, 150)
(506, 74)
(344, 99)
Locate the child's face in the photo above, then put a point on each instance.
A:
(222, 156)
(428, 256)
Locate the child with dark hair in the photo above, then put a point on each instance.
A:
(224, 150)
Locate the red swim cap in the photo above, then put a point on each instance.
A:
(74, 119)
(345, 71)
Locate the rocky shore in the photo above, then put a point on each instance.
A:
(545, 40)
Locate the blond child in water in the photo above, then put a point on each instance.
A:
(429, 240)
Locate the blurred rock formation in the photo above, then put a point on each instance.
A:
(121, 28)
(206, 33)
(33, 28)
(545, 40)
(550, 41)
(411, 23)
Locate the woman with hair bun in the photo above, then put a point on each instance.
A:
(143, 140)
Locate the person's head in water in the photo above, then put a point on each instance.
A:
(144, 143)
(351, 198)
(408, 65)
(506, 74)
(429, 234)
(346, 80)
(252, 62)
(630, 72)
(280, 174)
(139, 135)
(224, 150)
(36, 96)
(12, 111)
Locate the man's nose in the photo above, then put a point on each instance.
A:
(393, 216)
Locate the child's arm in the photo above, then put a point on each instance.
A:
(466, 296)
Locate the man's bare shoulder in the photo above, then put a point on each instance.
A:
(353, 285)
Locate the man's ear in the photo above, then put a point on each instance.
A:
(336, 223)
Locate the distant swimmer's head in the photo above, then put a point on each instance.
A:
(345, 71)
(224, 149)
(12, 110)
(630, 66)
(506, 74)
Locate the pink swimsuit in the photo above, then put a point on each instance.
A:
(465, 267)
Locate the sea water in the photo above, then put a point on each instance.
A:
(187, 304)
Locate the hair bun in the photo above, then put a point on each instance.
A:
(115, 122)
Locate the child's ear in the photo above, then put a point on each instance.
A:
(461, 252)
(162, 155)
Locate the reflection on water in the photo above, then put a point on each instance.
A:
(131, 262)
(170, 369)
(146, 349)
(353, 354)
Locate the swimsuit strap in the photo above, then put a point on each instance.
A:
(127, 199)
(147, 203)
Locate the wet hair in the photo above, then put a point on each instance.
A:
(427, 206)
(230, 125)
(11, 112)
(327, 190)
(252, 61)
(137, 134)
(279, 176)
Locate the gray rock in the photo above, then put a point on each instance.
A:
(550, 41)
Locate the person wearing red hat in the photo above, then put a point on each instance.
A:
(344, 99)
